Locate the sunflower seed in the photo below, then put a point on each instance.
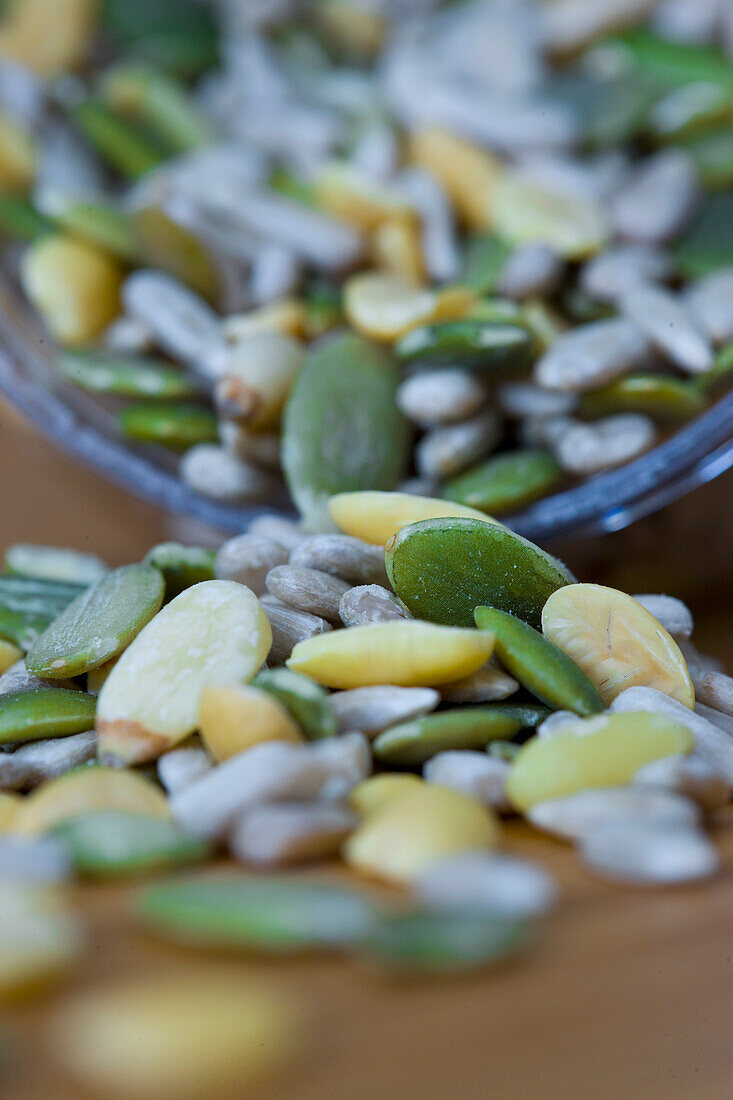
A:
(288, 628)
(617, 269)
(346, 761)
(532, 271)
(373, 709)
(129, 335)
(590, 355)
(440, 249)
(445, 451)
(213, 472)
(261, 448)
(589, 448)
(277, 835)
(519, 400)
(681, 21)
(659, 199)
(715, 689)
(441, 396)
(690, 776)
(276, 271)
(32, 764)
(284, 531)
(18, 678)
(650, 855)
(182, 322)
(248, 559)
(710, 301)
(370, 603)
(342, 556)
(308, 590)
(33, 860)
(712, 743)
(560, 721)
(487, 685)
(179, 767)
(668, 322)
(719, 718)
(477, 774)
(478, 881)
(673, 614)
(587, 812)
(697, 662)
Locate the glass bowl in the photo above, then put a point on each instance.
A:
(86, 427)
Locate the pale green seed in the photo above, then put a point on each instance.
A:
(106, 844)
(44, 712)
(181, 566)
(306, 702)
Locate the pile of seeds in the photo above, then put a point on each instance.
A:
(385, 694)
(476, 249)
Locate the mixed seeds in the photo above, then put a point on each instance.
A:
(331, 247)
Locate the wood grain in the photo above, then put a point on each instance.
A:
(628, 994)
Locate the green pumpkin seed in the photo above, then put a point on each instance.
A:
(658, 395)
(580, 307)
(443, 569)
(257, 914)
(124, 375)
(668, 64)
(181, 566)
(99, 624)
(610, 110)
(54, 563)
(437, 942)
(485, 258)
(44, 712)
(538, 664)
(287, 184)
(707, 243)
(29, 604)
(713, 157)
(100, 225)
(121, 145)
(20, 220)
(306, 701)
(179, 35)
(322, 307)
(332, 443)
(505, 482)
(474, 343)
(157, 102)
(721, 373)
(175, 426)
(413, 743)
(503, 750)
(116, 843)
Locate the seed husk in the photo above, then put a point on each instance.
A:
(539, 665)
(86, 790)
(484, 261)
(412, 743)
(170, 425)
(50, 563)
(288, 628)
(33, 715)
(616, 642)
(114, 843)
(442, 569)
(506, 482)
(487, 685)
(484, 345)
(355, 561)
(307, 703)
(99, 624)
(214, 632)
(330, 444)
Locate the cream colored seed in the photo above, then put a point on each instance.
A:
(233, 718)
(87, 790)
(616, 642)
(398, 840)
(440, 396)
(350, 195)
(286, 317)
(370, 603)
(384, 307)
(256, 378)
(523, 212)
(40, 940)
(466, 172)
(9, 655)
(409, 654)
(17, 158)
(397, 248)
(448, 450)
(376, 792)
(375, 516)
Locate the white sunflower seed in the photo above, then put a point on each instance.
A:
(213, 472)
(370, 603)
(523, 399)
(288, 628)
(349, 558)
(179, 767)
(669, 324)
(485, 686)
(532, 271)
(284, 531)
(32, 764)
(568, 25)
(182, 323)
(589, 448)
(476, 774)
(582, 814)
(441, 396)
(560, 721)
(673, 614)
(128, 335)
(650, 856)
(659, 199)
(711, 303)
(440, 248)
(308, 590)
(685, 22)
(445, 451)
(248, 559)
(718, 717)
(715, 689)
(688, 775)
(261, 448)
(697, 662)
(619, 268)
(18, 678)
(590, 355)
(345, 761)
(502, 886)
(286, 833)
(373, 709)
(276, 271)
(33, 860)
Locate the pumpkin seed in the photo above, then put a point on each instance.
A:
(10, 654)
(484, 262)
(113, 842)
(616, 642)
(51, 563)
(99, 624)
(32, 715)
(169, 425)
(437, 942)
(20, 220)
(233, 718)
(409, 654)
(485, 345)
(306, 702)
(413, 743)
(156, 102)
(86, 790)
(442, 569)
(538, 664)
(29, 604)
(215, 632)
(124, 148)
(256, 914)
(330, 445)
(375, 517)
(658, 395)
(124, 376)
(181, 566)
(706, 244)
(712, 155)
(506, 482)
(101, 225)
(604, 751)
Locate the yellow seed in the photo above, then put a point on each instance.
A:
(375, 516)
(87, 790)
(353, 28)
(17, 158)
(616, 642)
(409, 654)
(604, 751)
(287, 317)
(9, 654)
(197, 1033)
(40, 940)
(257, 378)
(48, 36)
(467, 173)
(422, 824)
(521, 212)
(9, 805)
(98, 676)
(372, 794)
(384, 307)
(346, 193)
(232, 719)
(397, 248)
(74, 285)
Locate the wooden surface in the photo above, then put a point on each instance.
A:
(628, 994)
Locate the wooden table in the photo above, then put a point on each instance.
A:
(627, 996)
